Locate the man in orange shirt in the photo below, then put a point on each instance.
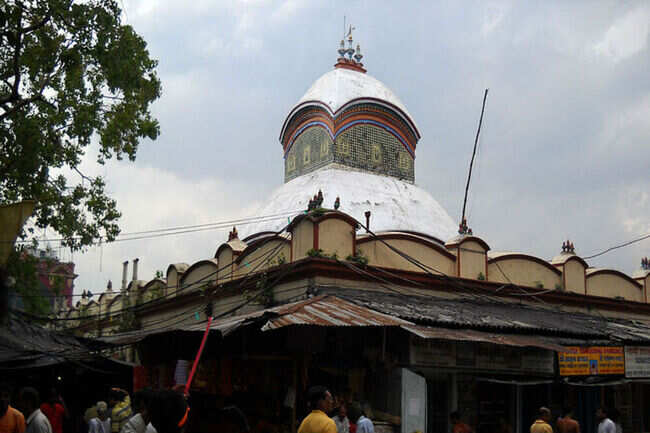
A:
(567, 424)
(321, 403)
(457, 425)
(541, 424)
(11, 420)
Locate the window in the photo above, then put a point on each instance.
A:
(324, 147)
(306, 155)
(343, 146)
(291, 163)
(404, 163)
(375, 153)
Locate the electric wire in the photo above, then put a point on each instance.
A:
(179, 287)
(178, 229)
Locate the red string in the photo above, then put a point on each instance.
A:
(198, 357)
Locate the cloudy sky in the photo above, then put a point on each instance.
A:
(564, 151)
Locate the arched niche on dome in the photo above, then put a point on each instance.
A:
(201, 274)
(421, 248)
(371, 146)
(330, 233)
(523, 270)
(471, 256)
(262, 253)
(174, 273)
(611, 283)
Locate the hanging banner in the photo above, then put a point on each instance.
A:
(637, 361)
(592, 361)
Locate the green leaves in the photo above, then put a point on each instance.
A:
(70, 74)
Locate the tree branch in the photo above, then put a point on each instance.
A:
(83, 176)
(37, 97)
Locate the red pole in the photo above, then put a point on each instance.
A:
(198, 357)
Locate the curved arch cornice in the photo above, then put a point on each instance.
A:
(593, 272)
(188, 272)
(521, 256)
(335, 114)
(398, 235)
(366, 120)
(258, 243)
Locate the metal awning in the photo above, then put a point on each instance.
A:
(484, 337)
(330, 311)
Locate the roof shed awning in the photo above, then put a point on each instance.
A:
(485, 337)
(333, 311)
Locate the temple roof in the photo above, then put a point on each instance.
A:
(394, 204)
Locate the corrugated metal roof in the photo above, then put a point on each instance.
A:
(330, 311)
(484, 319)
(486, 313)
(484, 337)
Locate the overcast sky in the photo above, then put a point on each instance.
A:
(564, 150)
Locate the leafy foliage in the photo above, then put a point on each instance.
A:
(357, 258)
(70, 73)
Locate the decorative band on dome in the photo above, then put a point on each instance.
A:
(334, 134)
(362, 113)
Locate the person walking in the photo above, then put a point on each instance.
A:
(120, 404)
(341, 419)
(320, 401)
(605, 425)
(11, 420)
(140, 422)
(566, 424)
(541, 424)
(359, 418)
(100, 423)
(54, 409)
(36, 421)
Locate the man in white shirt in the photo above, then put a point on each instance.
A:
(341, 419)
(101, 423)
(605, 425)
(35, 420)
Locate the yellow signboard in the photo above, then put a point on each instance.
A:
(586, 361)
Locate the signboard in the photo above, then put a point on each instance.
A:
(591, 361)
(637, 361)
(480, 356)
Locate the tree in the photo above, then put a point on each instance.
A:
(71, 76)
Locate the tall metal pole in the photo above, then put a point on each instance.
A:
(471, 164)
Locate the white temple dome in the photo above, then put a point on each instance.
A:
(351, 137)
(394, 204)
(340, 86)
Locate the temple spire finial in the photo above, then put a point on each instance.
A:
(349, 58)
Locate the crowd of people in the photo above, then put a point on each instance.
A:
(330, 415)
(608, 422)
(148, 412)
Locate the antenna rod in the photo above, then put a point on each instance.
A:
(471, 164)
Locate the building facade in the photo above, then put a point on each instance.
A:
(355, 277)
